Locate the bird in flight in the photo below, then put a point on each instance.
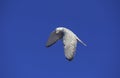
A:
(69, 40)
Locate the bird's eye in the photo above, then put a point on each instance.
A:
(57, 32)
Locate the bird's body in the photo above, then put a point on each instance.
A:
(69, 41)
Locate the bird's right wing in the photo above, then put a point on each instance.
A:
(53, 38)
(70, 44)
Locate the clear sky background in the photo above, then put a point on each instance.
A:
(25, 26)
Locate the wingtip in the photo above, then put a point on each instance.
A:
(84, 44)
(70, 59)
(81, 42)
(47, 46)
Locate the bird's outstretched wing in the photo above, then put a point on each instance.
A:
(81, 41)
(53, 38)
(70, 43)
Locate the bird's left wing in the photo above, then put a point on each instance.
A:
(53, 38)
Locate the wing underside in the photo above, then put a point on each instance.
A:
(53, 38)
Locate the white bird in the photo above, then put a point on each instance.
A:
(69, 41)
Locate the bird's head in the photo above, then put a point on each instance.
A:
(59, 29)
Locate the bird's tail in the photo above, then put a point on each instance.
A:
(81, 41)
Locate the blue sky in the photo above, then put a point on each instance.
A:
(26, 25)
